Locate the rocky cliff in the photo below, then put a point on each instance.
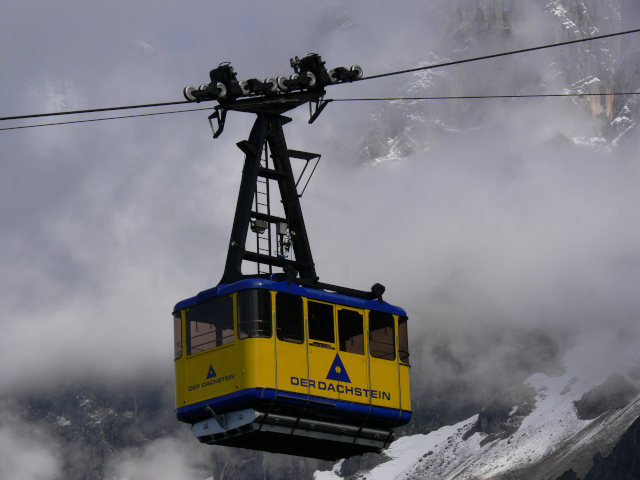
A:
(605, 67)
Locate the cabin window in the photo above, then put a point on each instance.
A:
(403, 340)
(254, 314)
(289, 318)
(382, 335)
(350, 331)
(320, 319)
(177, 335)
(209, 325)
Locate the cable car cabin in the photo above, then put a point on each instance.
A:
(280, 362)
(272, 366)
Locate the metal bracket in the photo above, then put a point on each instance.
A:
(307, 157)
(377, 290)
(320, 104)
(218, 419)
(220, 117)
(290, 272)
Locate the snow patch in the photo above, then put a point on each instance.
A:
(63, 422)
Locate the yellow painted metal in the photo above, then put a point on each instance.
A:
(256, 360)
(212, 373)
(292, 367)
(405, 385)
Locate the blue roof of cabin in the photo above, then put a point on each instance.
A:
(315, 294)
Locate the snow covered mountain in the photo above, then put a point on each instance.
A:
(601, 69)
(559, 421)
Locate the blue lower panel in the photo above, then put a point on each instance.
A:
(254, 397)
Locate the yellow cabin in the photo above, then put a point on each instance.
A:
(278, 367)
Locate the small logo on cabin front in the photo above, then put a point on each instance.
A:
(337, 372)
(209, 382)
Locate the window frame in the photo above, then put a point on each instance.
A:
(281, 334)
(350, 311)
(244, 334)
(220, 340)
(382, 353)
(403, 339)
(319, 327)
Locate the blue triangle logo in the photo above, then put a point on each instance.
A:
(337, 371)
(212, 372)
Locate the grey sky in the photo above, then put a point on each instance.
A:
(105, 226)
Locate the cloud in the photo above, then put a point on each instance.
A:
(27, 451)
(61, 96)
(163, 459)
(500, 261)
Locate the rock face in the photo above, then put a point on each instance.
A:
(614, 394)
(468, 29)
(624, 461)
(91, 423)
(504, 415)
(568, 475)
(622, 464)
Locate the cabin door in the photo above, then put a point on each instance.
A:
(351, 354)
(323, 380)
(292, 372)
(384, 389)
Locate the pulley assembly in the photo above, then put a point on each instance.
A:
(309, 73)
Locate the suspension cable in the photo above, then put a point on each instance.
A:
(372, 99)
(399, 72)
(105, 118)
(476, 97)
(496, 55)
(94, 110)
